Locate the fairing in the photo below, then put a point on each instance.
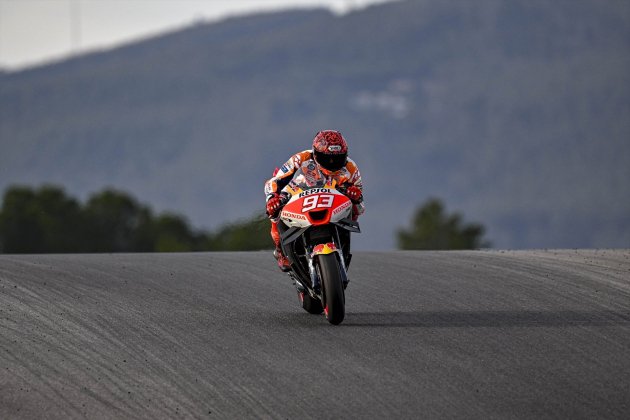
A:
(314, 200)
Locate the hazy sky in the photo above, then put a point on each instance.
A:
(35, 31)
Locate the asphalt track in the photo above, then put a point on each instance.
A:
(536, 334)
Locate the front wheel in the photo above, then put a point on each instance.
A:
(333, 298)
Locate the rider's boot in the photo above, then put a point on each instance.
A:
(283, 262)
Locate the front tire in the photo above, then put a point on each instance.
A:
(333, 297)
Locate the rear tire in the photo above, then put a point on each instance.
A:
(332, 288)
(310, 305)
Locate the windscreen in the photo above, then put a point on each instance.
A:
(309, 177)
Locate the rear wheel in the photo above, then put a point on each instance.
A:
(332, 288)
(310, 305)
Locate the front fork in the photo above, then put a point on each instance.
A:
(323, 249)
(344, 270)
(316, 283)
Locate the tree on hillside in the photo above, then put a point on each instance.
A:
(248, 235)
(43, 220)
(174, 234)
(433, 229)
(47, 221)
(117, 223)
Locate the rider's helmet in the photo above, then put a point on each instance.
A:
(330, 150)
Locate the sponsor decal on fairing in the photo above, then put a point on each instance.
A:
(315, 191)
(294, 216)
(323, 249)
(342, 208)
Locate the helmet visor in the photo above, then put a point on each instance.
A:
(330, 161)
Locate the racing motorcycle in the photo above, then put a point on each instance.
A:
(315, 225)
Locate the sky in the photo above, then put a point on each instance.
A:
(33, 32)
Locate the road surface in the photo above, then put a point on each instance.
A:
(476, 334)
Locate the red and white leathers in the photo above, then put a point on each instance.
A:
(347, 176)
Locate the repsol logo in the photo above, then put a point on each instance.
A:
(314, 191)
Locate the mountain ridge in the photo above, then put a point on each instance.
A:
(515, 113)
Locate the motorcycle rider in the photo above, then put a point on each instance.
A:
(330, 156)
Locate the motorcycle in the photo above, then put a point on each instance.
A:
(315, 225)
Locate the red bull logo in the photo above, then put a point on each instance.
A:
(323, 249)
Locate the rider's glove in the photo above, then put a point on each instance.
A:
(274, 205)
(354, 194)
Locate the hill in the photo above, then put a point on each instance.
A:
(514, 112)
